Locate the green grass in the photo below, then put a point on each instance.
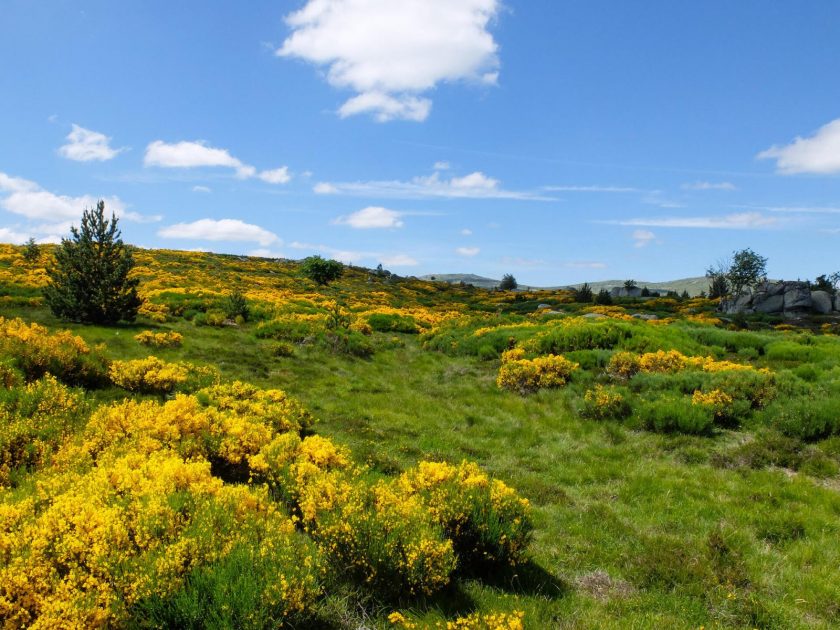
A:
(633, 529)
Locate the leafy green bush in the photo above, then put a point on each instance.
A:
(673, 414)
(385, 322)
(809, 418)
(579, 336)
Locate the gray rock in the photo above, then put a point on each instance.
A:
(837, 302)
(769, 303)
(645, 316)
(539, 306)
(797, 296)
(821, 302)
(594, 316)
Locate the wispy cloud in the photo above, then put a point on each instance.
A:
(476, 185)
(467, 251)
(710, 186)
(85, 145)
(643, 238)
(818, 154)
(585, 264)
(592, 189)
(391, 53)
(372, 217)
(399, 260)
(198, 154)
(739, 221)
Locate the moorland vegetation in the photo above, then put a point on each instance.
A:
(261, 448)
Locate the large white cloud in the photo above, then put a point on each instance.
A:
(85, 145)
(476, 185)
(197, 154)
(819, 154)
(372, 217)
(228, 230)
(52, 214)
(390, 52)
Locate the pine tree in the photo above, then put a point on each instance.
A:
(89, 281)
(508, 283)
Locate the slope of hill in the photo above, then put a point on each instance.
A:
(694, 286)
(359, 455)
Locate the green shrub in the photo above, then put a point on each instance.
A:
(806, 418)
(384, 322)
(673, 414)
(283, 349)
(235, 305)
(791, 351)
(285, 329)
(605, 403)
(349, 342)
(579, 336)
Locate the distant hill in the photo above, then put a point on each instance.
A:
(693, 285)
(467, 278)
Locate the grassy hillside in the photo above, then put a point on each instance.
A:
(312, 466)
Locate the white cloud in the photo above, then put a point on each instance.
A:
(803, 209)
(324, 188)
(585, 264)
(341, 255)
(386, 108)
(442, 166)
(8, 235)
(220, 230)
(389, 52)
(710, 186)
(740, 221)
(476, 185)
(399, 260)
(819, 154)
(277, 176)
(197, 154)
(189, 155)
(643, 238)
(466, 232)
(595, 189)
(201, 189)
(372, 217)
(28, 199)
(85, 145)
(467, 251)
(16, 184)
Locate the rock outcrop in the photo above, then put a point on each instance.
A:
(789, 298)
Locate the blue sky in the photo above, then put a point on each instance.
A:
(557, 140)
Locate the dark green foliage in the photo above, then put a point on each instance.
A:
(718, 286)
(89, 281)
(349, 342)
(630, 284)
(508, 283)
(383, 322)
(31, 251)
(603, 298)
(235, 305)
(645, 292)
(827, 282)
(583, 294)
(321, 270)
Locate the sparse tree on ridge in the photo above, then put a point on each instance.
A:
(321, 270)
(508, 283)
(583, 294)
(630, 285)
(31, 251)
(89, 281)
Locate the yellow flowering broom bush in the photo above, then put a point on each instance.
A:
(487, 521)
(90, 548)
(155, 376)
(602, 403)
(34, 421)
(37, 352)
(625, 365)
(375, 534)
(475, 621)
(169, 339)
(528, 375)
